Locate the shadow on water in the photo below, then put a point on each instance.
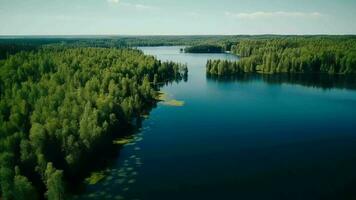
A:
(105, 155)
(116, 181)
(104, 160)
(323, 81)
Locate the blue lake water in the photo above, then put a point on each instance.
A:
(254, 138)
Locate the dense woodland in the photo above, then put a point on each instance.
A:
(204, 49)
(8, 43)
(290, 55)
(60, 105)
(8, 49)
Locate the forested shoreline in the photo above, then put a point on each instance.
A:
(10, 45)
(291, 55)
(204, 49)
(60, 105)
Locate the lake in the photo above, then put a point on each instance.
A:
(255, 137)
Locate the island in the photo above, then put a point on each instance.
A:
(327, 55)
(204, 48)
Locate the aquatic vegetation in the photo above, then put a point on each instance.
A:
(165, 100)
(131, 181)
(138, 139)
(95, 178)
(145, 116)
(119, 197)
(174, 102)
(123, 141)
(119, 181)
(147, 127)
(92, 195)
(161, 96)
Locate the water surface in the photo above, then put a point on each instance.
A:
(249, 138)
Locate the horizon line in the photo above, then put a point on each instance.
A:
(156, 35)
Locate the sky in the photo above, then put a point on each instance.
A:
(176, 17)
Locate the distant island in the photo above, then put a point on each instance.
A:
(206, 48)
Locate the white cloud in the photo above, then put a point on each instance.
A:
(194, 14)
(278, 14)
(113, 1)
(136, 6)
(142, 7)
(64, 17)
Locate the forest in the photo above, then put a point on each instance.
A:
(8, 49)
(14, 44)
(61, 105)
(204, 49)
(325, 55)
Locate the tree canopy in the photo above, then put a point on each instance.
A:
(290, 55)
(204, 49)
(59, 105)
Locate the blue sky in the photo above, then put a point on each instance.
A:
(177, 17)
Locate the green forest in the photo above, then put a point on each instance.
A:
(60, 106)
(204, 49)
(13, 44)
(325, 55)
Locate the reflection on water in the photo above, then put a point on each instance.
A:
(323, 81)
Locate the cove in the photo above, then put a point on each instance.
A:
(244, 138)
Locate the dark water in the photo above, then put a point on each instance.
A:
(253, 137)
